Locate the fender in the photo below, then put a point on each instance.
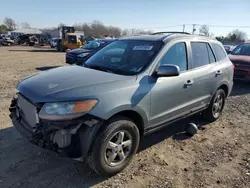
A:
(128, 107)
(228, 87)
(86, 136)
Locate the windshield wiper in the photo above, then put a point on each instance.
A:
(97, 67)
(108, 69)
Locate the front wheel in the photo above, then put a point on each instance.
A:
(216, 106)
(114, 147)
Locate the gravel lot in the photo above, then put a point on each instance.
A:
(218, 156)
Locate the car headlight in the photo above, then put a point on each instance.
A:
(66, 110)
(83, 55)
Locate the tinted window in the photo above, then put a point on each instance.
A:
(199, 54)
(242, 49)
(211, 54)
(128, 57)
(219, 51)
(176, 55)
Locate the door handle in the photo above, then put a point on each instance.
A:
(189, 82)
(219, 72)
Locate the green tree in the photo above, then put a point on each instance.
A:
(3, 28)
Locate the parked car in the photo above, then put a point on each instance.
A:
(78, 55)
(53, 42)
(229, 48)
(6, 41)
(23, 39)
(131, 87)
(240, 57)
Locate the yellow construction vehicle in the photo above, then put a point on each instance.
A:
(68, 39)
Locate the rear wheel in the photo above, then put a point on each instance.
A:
(114, 147)
(216, 106)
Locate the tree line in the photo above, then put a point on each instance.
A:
(9, 25)
(98, 29)
(233, 36)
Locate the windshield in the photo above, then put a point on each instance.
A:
(127, 57)
(72, 39)
(94, 44)
(242, 49)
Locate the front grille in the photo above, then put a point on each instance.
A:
(27, 111)
(241, 64)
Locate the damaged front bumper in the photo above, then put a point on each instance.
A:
(67, 138)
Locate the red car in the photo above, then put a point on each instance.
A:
(240, 57)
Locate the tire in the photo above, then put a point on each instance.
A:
(98, 158)
(209, 113)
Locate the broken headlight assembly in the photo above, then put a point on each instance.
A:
(66, 110)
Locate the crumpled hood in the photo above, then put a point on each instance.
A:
(70, 83)
(79, 51)
(239, 58)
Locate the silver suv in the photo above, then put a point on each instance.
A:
(100, 110)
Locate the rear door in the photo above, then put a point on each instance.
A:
(204, 69)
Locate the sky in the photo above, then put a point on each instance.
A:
(156, 15)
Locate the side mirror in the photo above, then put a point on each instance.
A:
(168, 71)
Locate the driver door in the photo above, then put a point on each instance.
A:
(171, 97)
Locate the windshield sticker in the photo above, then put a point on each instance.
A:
(143, 48)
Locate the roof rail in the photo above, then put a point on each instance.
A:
(170, 32)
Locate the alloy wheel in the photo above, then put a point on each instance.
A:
(118, 148)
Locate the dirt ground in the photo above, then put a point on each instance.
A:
(218, 156)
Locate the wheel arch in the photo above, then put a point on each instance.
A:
(87, 134)
(134, 116)
(225, 88)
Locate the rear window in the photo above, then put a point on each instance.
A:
(219, 51)
(211, 55)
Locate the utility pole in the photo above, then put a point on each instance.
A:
(183, 28)
(193, 29)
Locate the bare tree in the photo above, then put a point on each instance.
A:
(9, 23)
(142, 32)
(114, 31)
(99, 29)
(60, 25)
(237, 35)
(204, 29)
(125, 32)
(87, 29)
(25, 25)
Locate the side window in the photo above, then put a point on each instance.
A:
(219, 52)
(176, 55)
(211, 55)
(199, 54)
